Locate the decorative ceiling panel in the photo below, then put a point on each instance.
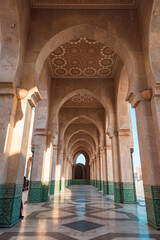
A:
(84, 4)
(83, 58)
(82, 100)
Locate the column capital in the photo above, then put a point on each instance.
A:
(33, 96)
(133, 99)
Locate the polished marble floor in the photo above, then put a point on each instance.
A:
(81, 212)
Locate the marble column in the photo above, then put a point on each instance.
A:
(37, 188)
(67, 165)
(63, 172)
(54, 160)
(58, 170)
(70, 173)
(101, 167)
(116, 167)
(16, 105)
(98, 172)
(150, 160)
(105, 183)
(127, 181)
(110, 181)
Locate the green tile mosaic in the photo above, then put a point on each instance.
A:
(52, 187)
(128, 193)
(10, 202)
(102, 185)
(152, 198)
(99, 185)
(105, 187)
(117, 192)
(110, 189)
(124, 192)
(80, 182)
(39, 192)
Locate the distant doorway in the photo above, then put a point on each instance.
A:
(78, 172)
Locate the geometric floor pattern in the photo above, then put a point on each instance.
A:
(79, 213)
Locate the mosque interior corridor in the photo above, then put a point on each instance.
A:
(71, 72)
(82, 213)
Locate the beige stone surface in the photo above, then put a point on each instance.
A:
(58, 56)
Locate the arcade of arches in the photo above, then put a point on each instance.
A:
(68, 74)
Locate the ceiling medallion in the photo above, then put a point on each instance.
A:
(89, 71)
(82, 97)
(61, 71)
(83, 58)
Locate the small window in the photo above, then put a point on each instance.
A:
(81, 159)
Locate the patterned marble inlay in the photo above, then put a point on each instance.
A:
(85, 4)
(83, 226)
(81, 213)
(83, 58)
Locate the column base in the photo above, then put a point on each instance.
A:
(52, 187)
(99, 185)
(62, 185)
(110, 190)
(152, 199)
(105, 187)
(10, 203)
(124, 192)
(80, 182)
(102, 185)
(39, 191)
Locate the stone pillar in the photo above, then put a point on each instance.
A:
(37, 188)
(91, 173)
(63, 172)
(149, 153)
(116, 167)
(70, 173)
(93, 169)
(101, 167)
(54, 161)
(105, 183)
(150, 161)
(67, 173)
(15, 107)
(127, 181)
(58, 170)
(95, 173)
(98, 172)
(109, 168)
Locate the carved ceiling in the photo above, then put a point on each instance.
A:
(83, 58)
(84, 4)
(82, 100)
